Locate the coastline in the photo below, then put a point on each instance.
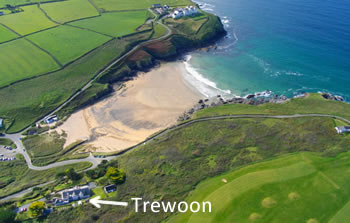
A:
(145, 105)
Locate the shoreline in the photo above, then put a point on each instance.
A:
(147, 104)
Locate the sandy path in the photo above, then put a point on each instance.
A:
(146, 105)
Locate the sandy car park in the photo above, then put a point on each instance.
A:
(7, 153)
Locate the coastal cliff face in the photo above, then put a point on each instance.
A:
(182, 40)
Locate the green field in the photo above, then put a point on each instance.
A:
(36, 97)
(298, 187)
(15, 176)
(26, 22)
(6, 34)
(20, 59)
(118, 5)
(68, 43)
(115, 24)
(69, 10)
(3, 3)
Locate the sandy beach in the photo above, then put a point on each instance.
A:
(149, 103)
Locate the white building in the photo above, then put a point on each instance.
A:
(342, 129)
(1, 123)
(188, 11)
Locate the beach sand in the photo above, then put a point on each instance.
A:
(148, 104)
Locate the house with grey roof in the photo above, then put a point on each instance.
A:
(73, 194)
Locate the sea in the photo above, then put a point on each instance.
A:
(288, 47)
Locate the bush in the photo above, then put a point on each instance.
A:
(37, 208)
(115, 175)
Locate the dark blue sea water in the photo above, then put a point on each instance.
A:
(287, 46)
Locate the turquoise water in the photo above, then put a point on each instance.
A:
(287, 46)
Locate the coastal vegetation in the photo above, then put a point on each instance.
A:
(171, 167)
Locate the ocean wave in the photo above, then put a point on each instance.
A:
(205, 86)
(205, 6)
(273, 72)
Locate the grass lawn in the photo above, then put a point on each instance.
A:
(20, 59)
(305, 184)
(26, 22)
(315, 103)
(115, 24)
(6, 34)
(159, 31)
(68, 43)
(15, 176)
(112, 5)
(69, 10)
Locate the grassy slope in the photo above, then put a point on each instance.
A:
(112, 5)
(68, 43)
(34, 98)
(315, 103)
(293, 182)
(20, 59)
(26, 22)
(69, 10)
(19, 177)
(169, 168)
(6, 34)
(115, 24)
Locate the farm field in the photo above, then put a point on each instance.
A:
(69, 10)
(119, 5)
(3, 3)
(26, 22)
(20, 59)
(6, 34)
(39, 96)
(68, 47)
(310, 187)
(115, 24)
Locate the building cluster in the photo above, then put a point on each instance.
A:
(342, 129)
(74, 194)
(182, 12)
(160, 9)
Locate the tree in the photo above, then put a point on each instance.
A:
(37, 208)
(72, 175)
(7, 215)
(116, 175)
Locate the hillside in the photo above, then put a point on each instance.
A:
(181, 165)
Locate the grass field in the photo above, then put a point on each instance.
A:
(26, 22)
(117, 5)
(15, 176)
(115, 24)
(315, 103)
(298, 187)
(6, 34)
(3, 3)
(68, 43)
(35, 98)
(44, 145)
(69, 10)
(20, 59)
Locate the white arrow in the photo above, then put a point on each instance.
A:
(96, 202)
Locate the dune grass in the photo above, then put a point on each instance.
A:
(115, 24)
(68, 43)
(20, 59)
(26, 22)
(69, 10)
